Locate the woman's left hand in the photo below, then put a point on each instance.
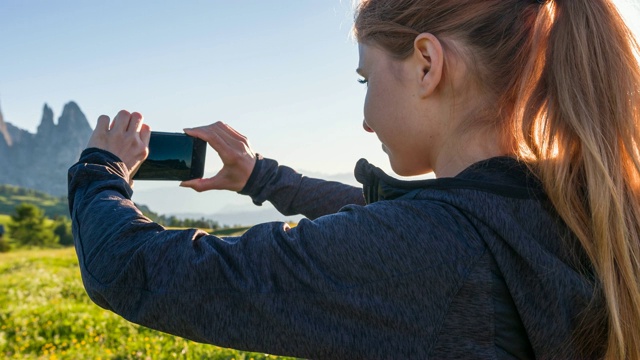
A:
(238, 158)
(126, 137)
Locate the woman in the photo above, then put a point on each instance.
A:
(526, 245)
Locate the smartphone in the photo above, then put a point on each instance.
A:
(173, 156)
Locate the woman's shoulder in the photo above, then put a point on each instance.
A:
(502, 176)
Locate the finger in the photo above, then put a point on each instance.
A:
(227, 147)
(136, 122)
(121, 121)
(227, 131)
(99, 134)
(216, 125)
(201, 132)
(145, 134)
(234, 133)
(228, 134)
(234, 139)
(103, 123)
(211, 136)
(195, 132)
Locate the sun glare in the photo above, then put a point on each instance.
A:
(630, 11)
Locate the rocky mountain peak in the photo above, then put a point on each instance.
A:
(40, 161)
(73, 118)
(46, 124)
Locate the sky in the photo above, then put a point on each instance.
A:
(280, 72)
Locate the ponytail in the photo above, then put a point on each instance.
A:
(566, 80)
(579, 122)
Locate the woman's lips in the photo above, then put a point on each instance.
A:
(366, 127)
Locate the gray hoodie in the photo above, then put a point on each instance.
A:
(475, 266)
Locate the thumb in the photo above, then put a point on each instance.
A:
(201, 185)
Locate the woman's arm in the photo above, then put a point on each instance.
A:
(292, 193)
(264, 180)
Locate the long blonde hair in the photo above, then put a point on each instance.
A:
(566, 79)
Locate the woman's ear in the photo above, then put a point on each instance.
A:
(429, 56)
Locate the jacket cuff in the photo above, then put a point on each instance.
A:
(264, 171)
(98, 164)
(101, 156)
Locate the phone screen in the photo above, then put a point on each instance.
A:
(171, 157)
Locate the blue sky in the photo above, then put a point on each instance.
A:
(281, 72)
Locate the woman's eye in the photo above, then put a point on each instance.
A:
(363, 81)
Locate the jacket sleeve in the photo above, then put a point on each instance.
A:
(336, 287)
(292, 193)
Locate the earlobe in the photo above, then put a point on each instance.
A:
(430, 58)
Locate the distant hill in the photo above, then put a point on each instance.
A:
(12, 196)
(40, 161)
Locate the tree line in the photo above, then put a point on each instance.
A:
(202, 223)
(7, 190)
(29, 227)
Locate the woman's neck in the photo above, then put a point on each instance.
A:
(462, 151)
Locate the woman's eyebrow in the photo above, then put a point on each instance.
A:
(359, 71)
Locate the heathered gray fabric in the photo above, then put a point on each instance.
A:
(292, 194)
(403, 278)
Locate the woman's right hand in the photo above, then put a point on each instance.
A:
(238, 159)
(126, 137)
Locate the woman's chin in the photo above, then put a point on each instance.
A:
(398, 167)
(407, 169)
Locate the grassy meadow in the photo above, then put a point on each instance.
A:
(46, 314)
(5, 219)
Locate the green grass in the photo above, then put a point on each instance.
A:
(4, 220)
(46, 314)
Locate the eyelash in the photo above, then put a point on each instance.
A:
(363, 81)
